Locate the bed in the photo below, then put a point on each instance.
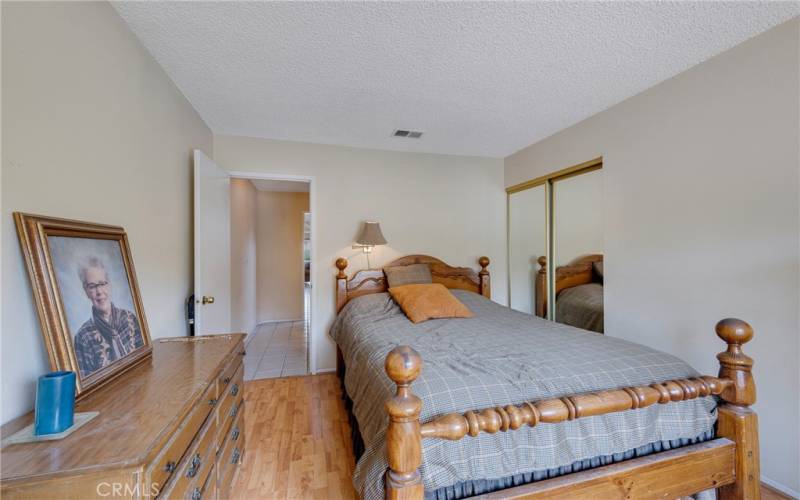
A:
(509, 404)
(578, 290)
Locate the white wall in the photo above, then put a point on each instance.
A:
(450, 207)
(93, 129)
(702, 219)
(280, 254)
(243, 256)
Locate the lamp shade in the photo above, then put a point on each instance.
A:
(371, 234)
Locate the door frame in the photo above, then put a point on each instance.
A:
(311, 353)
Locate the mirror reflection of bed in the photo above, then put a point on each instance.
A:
(578, 292)
(558, 217)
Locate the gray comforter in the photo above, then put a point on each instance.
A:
(581, 306)
(499, 357)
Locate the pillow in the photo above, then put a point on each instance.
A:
(407, 275)
(421, 302)
(598, 268)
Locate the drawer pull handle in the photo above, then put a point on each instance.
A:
(212, 402)
(234, 411)
(235, 434)
(226, 380)
(196, 494)
(195, 466)
(235, 389)
(235, 456)
(170, 467)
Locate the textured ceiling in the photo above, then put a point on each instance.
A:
(282, 186)
(482, 78)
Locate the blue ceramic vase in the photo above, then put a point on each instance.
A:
(55, 403)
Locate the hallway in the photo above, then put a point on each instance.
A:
(277, 350)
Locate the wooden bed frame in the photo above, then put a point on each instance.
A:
(729, 462)
(578, 272)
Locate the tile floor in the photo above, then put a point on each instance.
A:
(276, 350)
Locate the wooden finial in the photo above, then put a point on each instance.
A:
(403, 365)
(542, 261)
(403, 438)
(341, 264)
(484, 280)
(734, 364)
(484, 263)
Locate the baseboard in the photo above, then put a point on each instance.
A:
(250, 335)
(268, 321)
(326, 370)
(780, 488)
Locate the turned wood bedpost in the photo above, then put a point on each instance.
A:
(540, 287)
(736, 421)
(403, 437)
(341, 300)
(483, 276)
(341, 284)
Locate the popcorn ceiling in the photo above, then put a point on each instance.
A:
(482, 79)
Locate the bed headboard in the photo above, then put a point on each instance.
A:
(578, 272)
(374, 280)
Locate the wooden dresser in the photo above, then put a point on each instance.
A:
(172, 427)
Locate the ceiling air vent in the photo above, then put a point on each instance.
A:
(411, 134)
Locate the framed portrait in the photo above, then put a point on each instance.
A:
(87, 298)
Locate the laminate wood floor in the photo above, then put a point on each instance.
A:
(298, 442)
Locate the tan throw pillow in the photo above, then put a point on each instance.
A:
(407, 275)
(421, 302)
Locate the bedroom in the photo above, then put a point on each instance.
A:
(692, 107)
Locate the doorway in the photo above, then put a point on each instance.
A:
(270, 219)
(253, 254)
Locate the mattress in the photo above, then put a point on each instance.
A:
(501, 357)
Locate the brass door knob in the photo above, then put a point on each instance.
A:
(208, 299)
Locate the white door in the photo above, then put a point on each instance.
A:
(212, 242)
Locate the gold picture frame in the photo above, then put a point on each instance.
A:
(61, 256)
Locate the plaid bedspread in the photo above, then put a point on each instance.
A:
(581, 306)
(501, 357)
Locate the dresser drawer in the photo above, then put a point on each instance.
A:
(167, 461)
(233, 363)
(205, 491)
(234, 436)
(229, 401)
(196, 465)
(231, 454)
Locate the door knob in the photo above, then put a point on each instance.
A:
(208, 299)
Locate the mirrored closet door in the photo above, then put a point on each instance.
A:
(558, 218)
(527, 241)
(578, 250)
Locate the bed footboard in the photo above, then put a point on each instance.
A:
(736, 422)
